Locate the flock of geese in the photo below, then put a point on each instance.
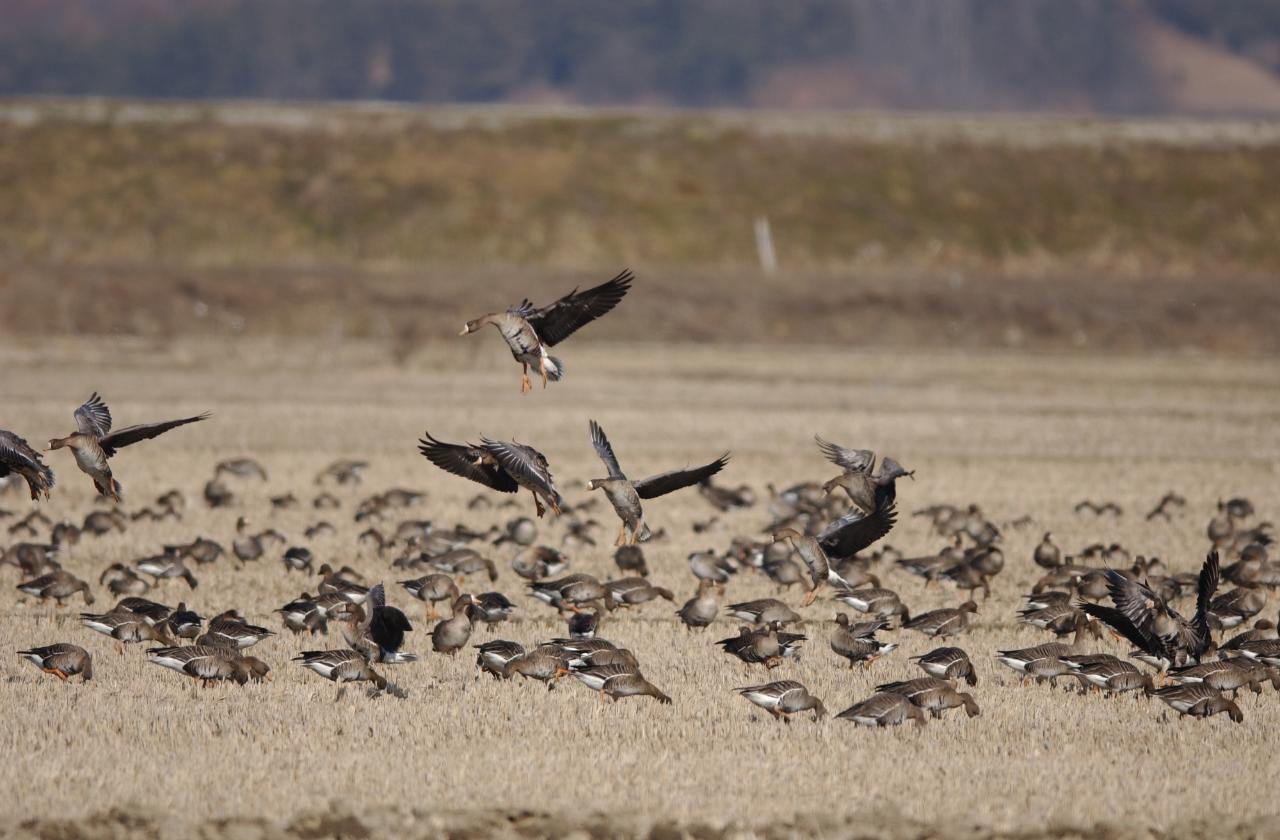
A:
(820, 537)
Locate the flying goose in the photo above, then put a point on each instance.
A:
(1163, 637)
(530, 331)
(93, 442)
(867, 488)
(625, 495)
(500, 465)
(17, 457)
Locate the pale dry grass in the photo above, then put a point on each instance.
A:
(1017, 434)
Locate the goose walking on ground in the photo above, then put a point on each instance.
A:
(625, 495)
(93, 442)
(530, 331)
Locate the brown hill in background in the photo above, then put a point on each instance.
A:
(1075, 56)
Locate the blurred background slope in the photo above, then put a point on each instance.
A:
(1039, 174)
(1090, 56)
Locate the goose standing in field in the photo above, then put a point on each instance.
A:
(700, 610)
(783, 699)
(18, 458)
(944, 622)
(500, 465)
(341, 666)
(494, 656)
(126, 628)
(1198, 700)
(93, 442)
(530, 331)
(933, 695)
(884, 709)
(858, 642)
(61, 660)
(206, 663)
(58, 585)
(947, 663)
(625, 495)
(616, 681)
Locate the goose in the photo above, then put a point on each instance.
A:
(93, 442)
(625, 495)
(62, 660)
(783, 698)
(530, 331)
(500, 465)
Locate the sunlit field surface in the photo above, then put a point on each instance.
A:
(142, 748)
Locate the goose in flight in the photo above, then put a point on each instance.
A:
(625, 495)
(529, 331)
(93, 442)
(500, 465)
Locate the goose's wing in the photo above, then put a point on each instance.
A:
(16, 454)
(855, 531)
(556, 322)
(143, 431)
(669, 482)
(1136, 600)
(605, 450)
(93, 418)
(471, 462)
(1118, 621)
(854, 460)
(1210, 574)
(526, 465)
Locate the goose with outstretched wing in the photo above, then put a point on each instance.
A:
(529, 331)
(625, 494)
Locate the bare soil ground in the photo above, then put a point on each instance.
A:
(141, 751)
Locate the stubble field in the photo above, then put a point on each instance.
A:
(142, 750)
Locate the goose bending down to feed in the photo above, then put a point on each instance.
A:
(93, 442)
(884, 709)
(341, 666)
(625, 495)
(530, 331)
(615, 681)
(17, 457)
(206, 663)
(502, 466)
(61, 660)
(783, 699)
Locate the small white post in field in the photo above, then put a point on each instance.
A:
(764, 246)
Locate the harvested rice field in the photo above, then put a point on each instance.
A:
(143, 750)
